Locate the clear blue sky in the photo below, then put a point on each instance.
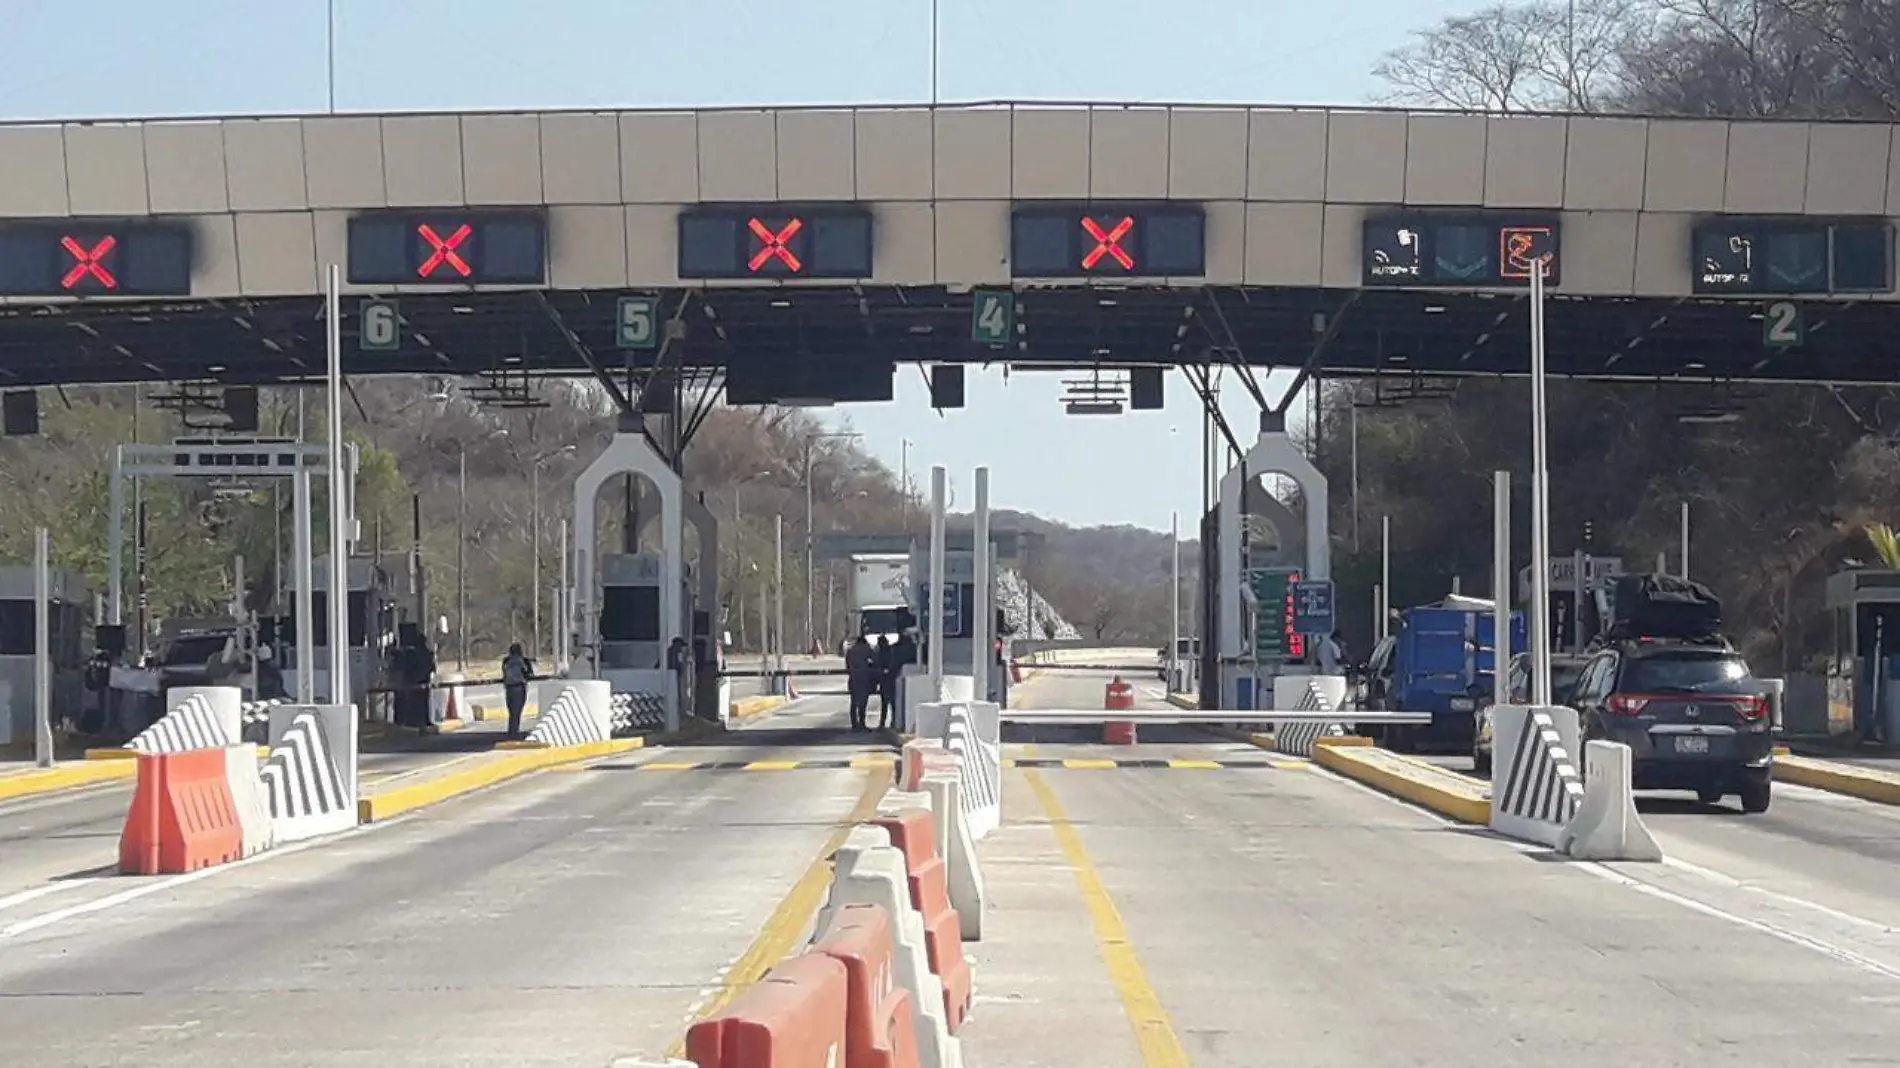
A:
(148, 58)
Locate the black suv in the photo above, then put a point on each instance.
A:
(1691, 713)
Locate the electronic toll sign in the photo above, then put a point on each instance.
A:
(1100, 241)
(448, 248)
(1488, 249)
(1786, 256)
(1275, 637)
(775, 241)
(95, 259)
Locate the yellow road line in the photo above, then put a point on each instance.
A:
(772, 765)
(1154, 1032)
(873, 762)
(1086, 765)
(664, 765)
(779, 936)
(1194, 764)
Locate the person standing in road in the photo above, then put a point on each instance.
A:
(516, 670)
(860, 669)
(885, 684)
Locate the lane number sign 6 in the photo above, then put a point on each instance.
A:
(379, 327)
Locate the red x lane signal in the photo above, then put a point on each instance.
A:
(773, 245)
(443, 251)
(88, 262)
(1108, 242)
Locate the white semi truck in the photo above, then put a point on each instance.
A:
(880, 595)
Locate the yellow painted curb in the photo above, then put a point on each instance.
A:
(1187, 701)
(51, 780)
(1418, 788)
(397, 800)
(112, 754)
(521, 743)
(747, 707)
(1868, 784)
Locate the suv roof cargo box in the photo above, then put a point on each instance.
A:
(1663, 606)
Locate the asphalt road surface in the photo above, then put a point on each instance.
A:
(1266, 916)
(564, 919)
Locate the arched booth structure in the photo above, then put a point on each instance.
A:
(648, 592)
(1231, 672)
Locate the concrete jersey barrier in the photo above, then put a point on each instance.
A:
(1607, 825)
(310, 776)
(1535, 788)
(576, 712)
(1306, 693)
(197, 717)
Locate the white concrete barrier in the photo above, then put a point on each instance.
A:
(972, 733)
(1607, 825)
(958, 849)
(196, 717)
(247, 796)
(1306, 693)
(310, 777)
(1535, 788)
(870, 870)
(576, 712)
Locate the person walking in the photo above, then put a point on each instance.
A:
(886, 679)
(516, 670)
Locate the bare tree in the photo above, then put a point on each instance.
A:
(1545, 55)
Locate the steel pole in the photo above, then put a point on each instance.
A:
(339, 600)
(980, 651)
(304, 564)
(811, 636)
(461, 562)
(42, 650)
(115, 543)
(534, 537)
(935, 593)
(1500, 586)
(1385, 575)
(561, 620)
(1540, 506)
(1685, 539)
(778, 595)
(1174, 598)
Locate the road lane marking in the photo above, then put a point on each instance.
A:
(1154, 1032)
(772, 765)
(1204, 764)
(779, 936)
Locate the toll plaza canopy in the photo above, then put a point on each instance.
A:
(839, 241)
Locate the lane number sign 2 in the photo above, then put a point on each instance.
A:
(1782, 326)
(636, 323)
(379, 327)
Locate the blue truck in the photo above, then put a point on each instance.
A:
(1440, 660)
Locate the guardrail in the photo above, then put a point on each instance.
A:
(1204, 715)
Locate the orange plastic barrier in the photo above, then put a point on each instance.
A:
(793, 1018)
(916, 761)
(183, 816)
(1119, 697)
(879, 1032)
(914, 834)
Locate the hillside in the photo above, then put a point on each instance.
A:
(747, 464)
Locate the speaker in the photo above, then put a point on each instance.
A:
(240, 408)
(1144, 389)
(946, 385)
(20, 412)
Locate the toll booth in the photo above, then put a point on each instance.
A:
(1863, 670)
(65, 619)
(632, 646)
(959, 621)
(374, 607)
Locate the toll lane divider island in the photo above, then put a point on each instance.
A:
(1539, 793)
(883, 978)
(195, 806)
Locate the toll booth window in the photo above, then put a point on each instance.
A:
(16, 628)
(630, 614)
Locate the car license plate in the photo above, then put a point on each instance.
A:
(1691, 743)
(1461, 704)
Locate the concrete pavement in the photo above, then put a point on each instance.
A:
(1287, 917)
(564, 919)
